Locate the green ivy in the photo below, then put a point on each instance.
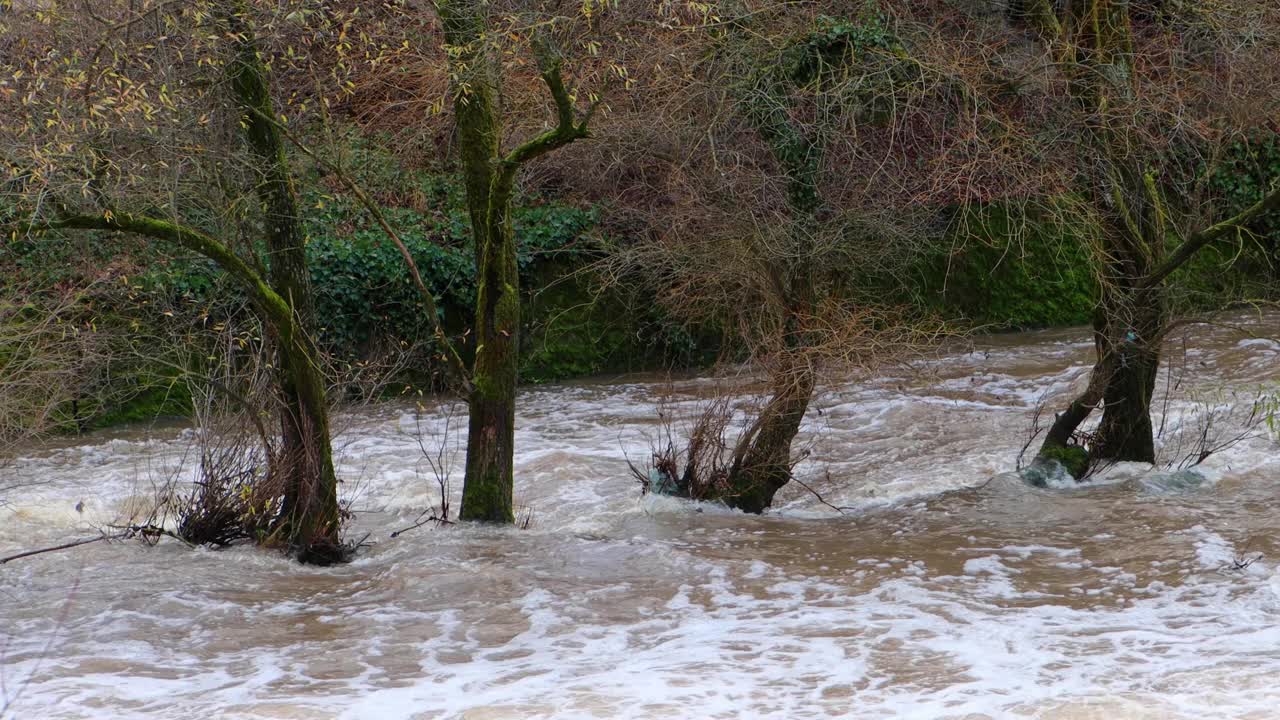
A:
(1012, 272)
(363, 292)
(838, 42)
(1241, 180)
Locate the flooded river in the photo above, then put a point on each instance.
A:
(948, 589)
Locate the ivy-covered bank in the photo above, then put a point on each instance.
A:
(993, 267)
(367, 307)
(367, 304)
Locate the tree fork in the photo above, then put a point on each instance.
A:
(488, 486)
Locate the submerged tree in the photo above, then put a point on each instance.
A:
(789, 219)
(109, 121)
(801, 272)
(491, 174)
(1149, 120)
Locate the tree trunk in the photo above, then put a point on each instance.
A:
(490, 178)
(1129, 326)
(1065, 424)
(487, 493)
(310, 519)
(1126, 432)
(488, 486)
(762, 463)
(762, 459)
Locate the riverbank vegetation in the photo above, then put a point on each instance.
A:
(295, 206)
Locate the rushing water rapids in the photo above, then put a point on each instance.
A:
(950, 590)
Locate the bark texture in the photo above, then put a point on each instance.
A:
(488, 488)
(762, 462)
(310, 522)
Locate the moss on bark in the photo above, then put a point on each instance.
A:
(310, 521)
(490, 180)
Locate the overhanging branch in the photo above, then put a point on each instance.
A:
(1193, 244)
(276, 308)
(456, 367)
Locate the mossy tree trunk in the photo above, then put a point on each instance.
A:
(1122, 381)
(310, 524)
(488, 487)
(310, 519)
(488, 490)
(1094, 42)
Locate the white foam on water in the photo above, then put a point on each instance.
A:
(1263, 343)
(1121, 599)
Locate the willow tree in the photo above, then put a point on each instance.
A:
(787, 215)
(1144, 81)
(131, 79)
(766, 92)
(490, 173)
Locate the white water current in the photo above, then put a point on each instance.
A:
(948, 588)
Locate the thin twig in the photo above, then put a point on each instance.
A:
(420, 523)
(64, 546)
(454, 360)
(838, 508)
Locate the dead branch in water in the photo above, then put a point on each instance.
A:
(842, 509)
(150, 534)
(55, 548)
(438, 448)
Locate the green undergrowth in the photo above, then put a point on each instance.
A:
(155, 397)
(1008, 270)
(365, 299)
(994, 267)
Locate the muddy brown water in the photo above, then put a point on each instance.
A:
(949, 589)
